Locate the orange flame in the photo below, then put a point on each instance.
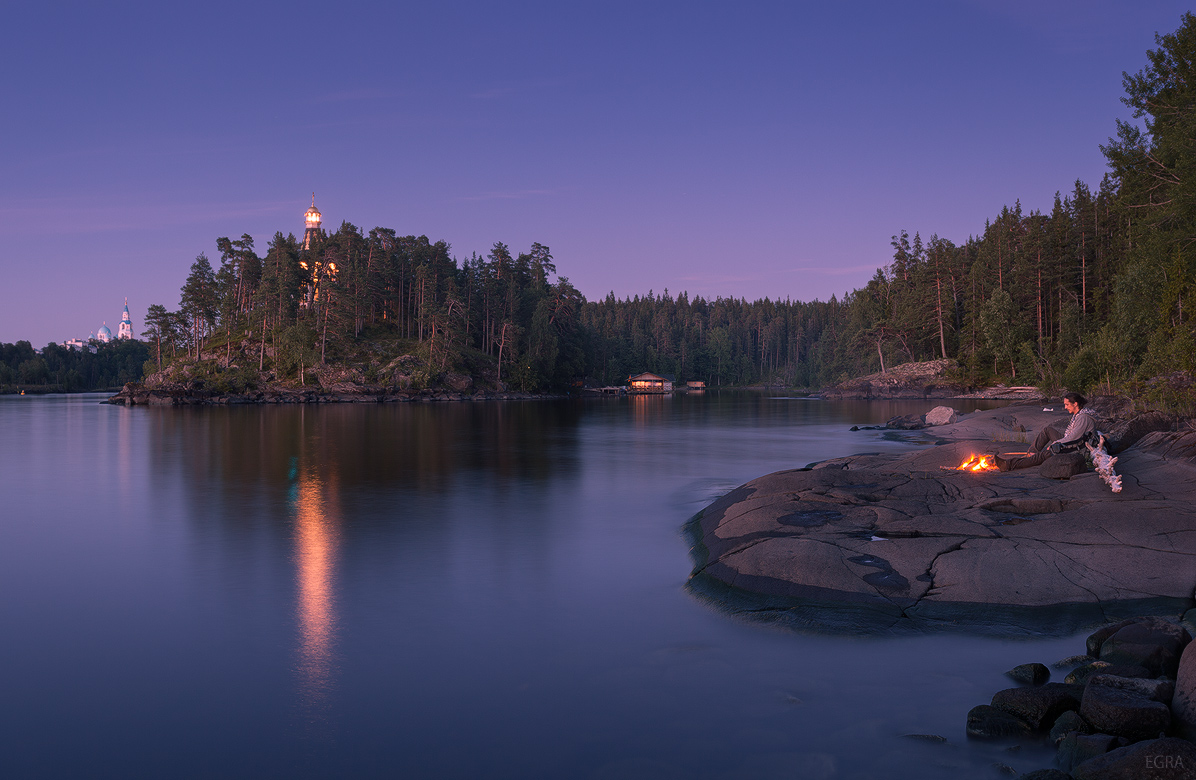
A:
(976, 463)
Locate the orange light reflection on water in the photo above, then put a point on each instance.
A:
(316, 543)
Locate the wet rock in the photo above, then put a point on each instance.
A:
(1063, 466)
(1073, 661)
(1081, 674)
(1076, 748)
(1124, 714)
(987, 722)
(941, 415)
(1155, 690)
(1039, 707)
(1157, 759)
(1067, 723)
(1029, 674)
(1151, 642)
(908, 422)
(1183, 703)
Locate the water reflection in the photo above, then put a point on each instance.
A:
(491, 590)
(316, 539)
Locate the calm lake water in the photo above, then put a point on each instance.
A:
(469, 590)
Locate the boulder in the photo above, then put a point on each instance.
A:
(1183, 703)
(458, 382)
(1029, 674)
(1086, 671)
(1157, 759)
(1076, 748)
(1188, 621)
(986, 722)
(1124, 714)
(1072, 661)
(941, 415)
(907, 422)
(1155, 690)
(1151, 642)
(1067, 723)
(1123, 434)
(1063, 466)
(1039, 707)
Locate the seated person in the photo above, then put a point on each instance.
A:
(1051, 441)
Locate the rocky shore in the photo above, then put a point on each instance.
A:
(931, 379)
(135, 394)
(873, 543)
(183, 385)
(1125, 709)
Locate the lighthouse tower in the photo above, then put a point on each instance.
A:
(311, 223)
(125, 331)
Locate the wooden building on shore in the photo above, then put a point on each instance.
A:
(650, 383)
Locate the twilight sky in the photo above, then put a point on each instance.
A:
(751, 149)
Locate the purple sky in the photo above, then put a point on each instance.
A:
(734, 149)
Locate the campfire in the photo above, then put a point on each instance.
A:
(977, 463)
(980, 463)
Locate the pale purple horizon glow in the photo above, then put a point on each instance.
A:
(748, 151)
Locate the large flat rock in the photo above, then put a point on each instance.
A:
(888, 543)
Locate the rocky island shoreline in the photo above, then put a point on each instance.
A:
(186, 384)
(882, 543)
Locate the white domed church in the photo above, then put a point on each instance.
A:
(123, 331)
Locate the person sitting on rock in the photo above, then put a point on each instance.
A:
(1050, 441)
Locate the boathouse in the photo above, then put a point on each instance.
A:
(650, 383)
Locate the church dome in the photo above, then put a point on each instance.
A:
(104, 334)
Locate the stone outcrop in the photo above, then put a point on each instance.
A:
(874, 542)
(930, 379)
(403, 379)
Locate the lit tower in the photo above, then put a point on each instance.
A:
(311, 223)
(125, 331)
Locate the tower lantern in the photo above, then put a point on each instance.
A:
(311, 223)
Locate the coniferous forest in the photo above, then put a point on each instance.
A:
(1096, 293)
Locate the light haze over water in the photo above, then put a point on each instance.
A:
(457, 590)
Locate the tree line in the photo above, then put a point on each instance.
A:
(1091, 292)
(65, 370)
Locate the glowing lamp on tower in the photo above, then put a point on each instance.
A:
(311, 223)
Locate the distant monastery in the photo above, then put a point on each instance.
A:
(104, 335)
